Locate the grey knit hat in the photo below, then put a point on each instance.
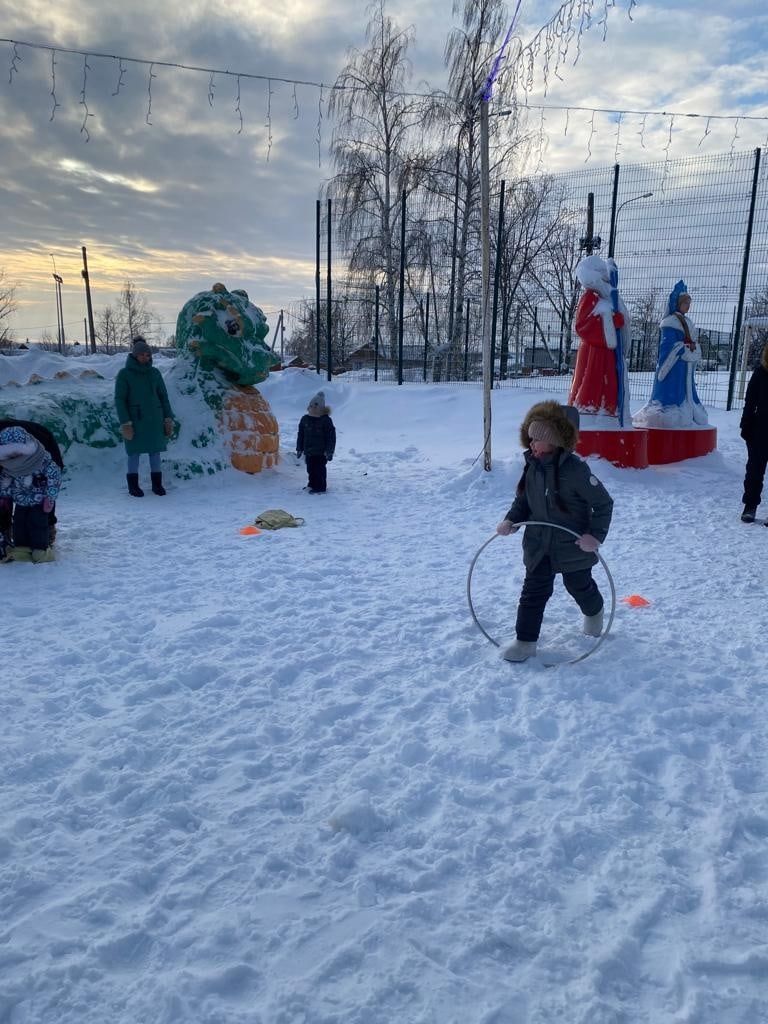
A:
(317, 403)
(139, 345)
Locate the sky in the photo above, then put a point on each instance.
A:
(284, 779)
(197, 196)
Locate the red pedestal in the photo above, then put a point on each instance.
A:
(625, 448)
(668, 444)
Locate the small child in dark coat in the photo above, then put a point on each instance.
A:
(556, 487)
(316, 441)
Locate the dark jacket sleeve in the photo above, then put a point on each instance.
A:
(330, 438)
(750, 402)
(600, 501)
(121, 398)
(300, 437)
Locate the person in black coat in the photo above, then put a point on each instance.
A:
(556, 487)
(49, 442)
(754, 430)
(316, 441)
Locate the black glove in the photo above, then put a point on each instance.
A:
(745, 434)
(329, 457)
(298, 455)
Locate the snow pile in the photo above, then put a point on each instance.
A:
(284, 778)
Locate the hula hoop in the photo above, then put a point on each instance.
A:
(566, 529)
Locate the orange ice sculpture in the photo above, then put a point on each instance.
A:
(253, 433)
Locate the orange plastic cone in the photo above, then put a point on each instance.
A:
(636, 601)
(250, 531)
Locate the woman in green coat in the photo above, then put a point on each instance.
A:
(146, 418)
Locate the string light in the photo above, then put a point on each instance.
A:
(15, 59)
(552, 42)
(592, 132)
(56, 103)
(238, 111)
(268, 125)
(149, 93)
(84, 101)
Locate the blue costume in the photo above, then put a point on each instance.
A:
(674, 400)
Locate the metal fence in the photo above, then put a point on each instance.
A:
(413, 312)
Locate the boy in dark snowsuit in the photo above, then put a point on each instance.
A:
(316, 441)
(557, 487)
(754, 430)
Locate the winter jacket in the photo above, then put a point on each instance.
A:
(35, 487)
(141, 398)
(316, 436)
(588, 509)
(754, 419)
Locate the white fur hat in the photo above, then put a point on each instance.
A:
(317, 403)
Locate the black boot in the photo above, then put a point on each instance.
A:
(133, 485)
(157, 484)
(748, 515)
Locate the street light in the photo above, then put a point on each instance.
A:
(612, 240)
(59, 281)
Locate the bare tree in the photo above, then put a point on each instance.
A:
(108, 330)
(133, 313)
(646, 311)
(377, 152)
(8, 307)
(552, 278)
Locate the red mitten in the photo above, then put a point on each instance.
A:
(618, 319)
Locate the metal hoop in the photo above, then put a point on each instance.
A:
(557, 526)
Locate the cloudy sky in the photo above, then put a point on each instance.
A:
(173, 191)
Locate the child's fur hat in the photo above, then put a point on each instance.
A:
(551, 422)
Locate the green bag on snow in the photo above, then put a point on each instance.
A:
(276, 519)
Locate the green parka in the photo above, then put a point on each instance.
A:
(141, 398)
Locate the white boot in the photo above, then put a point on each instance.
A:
(520, 650)
(593, 624)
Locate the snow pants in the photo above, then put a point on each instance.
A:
(316, 472)
(757, 458)
(30, 527)
(538, 587)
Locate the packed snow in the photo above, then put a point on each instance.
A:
(284, 779)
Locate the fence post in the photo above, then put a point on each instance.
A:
(612, 236)
(496, 277)
(743, 285)
(535, 328)
(317, 286)
(466, 345)
(426, 337)
(401, 300)
(376, 337)
(328, 312)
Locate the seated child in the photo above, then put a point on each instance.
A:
(31, 480)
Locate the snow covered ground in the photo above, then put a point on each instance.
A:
(285, 780)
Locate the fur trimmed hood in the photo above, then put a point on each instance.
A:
(563, 420)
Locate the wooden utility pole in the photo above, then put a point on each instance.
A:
(86, 278)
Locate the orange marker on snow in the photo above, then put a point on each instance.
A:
(250, 531)
(636, 601)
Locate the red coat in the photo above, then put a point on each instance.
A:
(594, 387)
